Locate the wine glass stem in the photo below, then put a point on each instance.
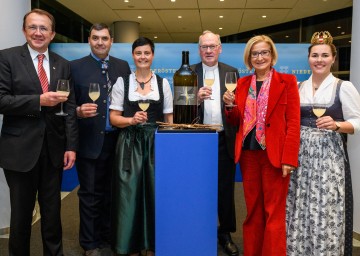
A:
(61, 107)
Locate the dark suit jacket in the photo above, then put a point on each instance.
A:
(25, 124)
(92, 130)
(282, 129)
(229, 130)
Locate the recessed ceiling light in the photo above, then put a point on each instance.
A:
(126, 1)
(139, 17)
(155, 37)
(287, 36)
(350, 41)
(338, 27)
(343, 33)
(220, 28)
(221, 16)
(264, 16)
(173, 1)
(222, 0)
(179, 17)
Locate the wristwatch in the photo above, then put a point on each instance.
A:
(337, 126)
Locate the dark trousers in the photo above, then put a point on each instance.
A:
(94, 196)
(45, 181)
(226, 183)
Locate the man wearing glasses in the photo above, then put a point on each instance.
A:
(36, 145)
(211, 111)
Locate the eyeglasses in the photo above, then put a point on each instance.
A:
(265, 53)
(34, 28)
(205, 47)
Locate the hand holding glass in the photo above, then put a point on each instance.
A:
(63, 88)
(94, 92)
(144, 105)
(230, 84)
(209, 79)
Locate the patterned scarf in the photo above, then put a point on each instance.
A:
(256, 108)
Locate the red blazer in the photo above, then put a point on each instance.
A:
(282, 130)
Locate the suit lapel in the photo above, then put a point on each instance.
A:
(29, 66)
(276, 88)
(53, 65)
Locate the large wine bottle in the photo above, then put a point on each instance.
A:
(185, 93)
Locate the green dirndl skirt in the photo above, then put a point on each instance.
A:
(133, 196)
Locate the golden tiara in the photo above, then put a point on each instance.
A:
(323, 37)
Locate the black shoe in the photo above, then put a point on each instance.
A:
(227, 244)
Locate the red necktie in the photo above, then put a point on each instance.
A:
(42, 73)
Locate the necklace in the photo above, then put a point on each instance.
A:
(142, 84)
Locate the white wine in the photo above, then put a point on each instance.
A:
(231, 87)
(65, 93)
(319, 111)
(144, 105)
(209, 81)
(94, 95)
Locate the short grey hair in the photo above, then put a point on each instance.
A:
(209, 32)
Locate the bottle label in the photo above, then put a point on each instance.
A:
(185, 95)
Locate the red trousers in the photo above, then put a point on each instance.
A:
(265, 190)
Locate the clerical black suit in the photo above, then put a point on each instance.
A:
(32, 145)
(226, 166)
(96, 150)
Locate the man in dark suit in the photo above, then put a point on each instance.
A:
(35, 143)
(97, 139)
(211, 111)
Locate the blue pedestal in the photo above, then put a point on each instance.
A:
(69, 180)
(186, 194)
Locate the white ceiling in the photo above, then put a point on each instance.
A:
(160, 17)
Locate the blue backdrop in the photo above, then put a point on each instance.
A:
(292, 60)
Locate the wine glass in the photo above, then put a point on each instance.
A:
(209, 79)
(144, 105)
(94, 92)
(230, 84)
(319, 109)
(63, 88)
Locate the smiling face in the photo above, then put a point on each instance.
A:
(143, 57)
(261, 57)
(100, 42)
(321, 59)
(38, 31)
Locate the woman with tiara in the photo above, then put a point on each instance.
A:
(319, 204)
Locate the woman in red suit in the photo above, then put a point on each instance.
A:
(267, 143)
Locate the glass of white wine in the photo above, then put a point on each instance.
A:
(319, 109)
(230, 83)
(94, 92)
(63, 88)
(144, 104)
(209, 79)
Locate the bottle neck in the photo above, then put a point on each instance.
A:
(185, 58)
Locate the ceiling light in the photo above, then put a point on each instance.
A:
(343, 33)
(126, 1)
(338, 27)
(220, 28)
(221, 16)
(139, 17)
(264, 16)
(222, 0)
(173, 1)
(287, 36)
(155, 37)
(179, 17)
